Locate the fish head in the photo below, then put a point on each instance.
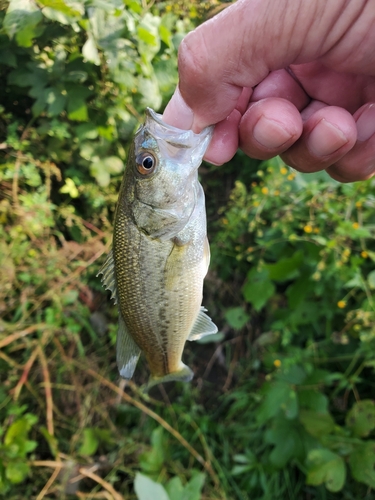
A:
(164, 164)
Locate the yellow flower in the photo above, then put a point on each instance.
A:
(341, 304)
(364, 254)
(283, 170)
(291, 176)
(316, 230)
(308, 228)
(277, 363)
(346, 252)
(355, 225)
(256, 204)
(265, 190)
(253, 184)
(225, 221)
(276, 192)
(358, 204)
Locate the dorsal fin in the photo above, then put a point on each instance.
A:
(203, 326)
(127, 351)
(108, 272)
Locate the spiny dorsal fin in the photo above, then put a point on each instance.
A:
(127, 352)
(108, 272)
(203, 326)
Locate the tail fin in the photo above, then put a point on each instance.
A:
(184, 374)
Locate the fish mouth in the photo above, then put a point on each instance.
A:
(178, 138)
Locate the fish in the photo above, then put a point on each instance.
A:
(160, 252)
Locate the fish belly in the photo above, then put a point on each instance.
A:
(160, 292)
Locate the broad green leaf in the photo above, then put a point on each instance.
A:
(152, 461)
(314, 400)
(356, 281)
(90, 442)
(147, 489)
(317, 424)
(236, 317)
(90, 52)
(286, 268)
(324, 466)
(279, 396)
(258, 288)
(70, 188)
(175, 488)
(86, 131)
(362, 463)
(149, 89)
(69, 8)
(56, 101)
(193, 488)
(77, 108)
(16, 472)
(148, 36)
(287, 438)
(21, 21)
(361, 418)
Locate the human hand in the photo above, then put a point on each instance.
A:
(290, 78)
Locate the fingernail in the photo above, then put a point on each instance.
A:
(178, 113)
(270, 134)
(325, 139)
(366, 124)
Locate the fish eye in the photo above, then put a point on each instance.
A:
(146, 163)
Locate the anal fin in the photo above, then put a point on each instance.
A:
(203, 326)
(128, 352)
(108, 272)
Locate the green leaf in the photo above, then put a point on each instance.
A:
(16, 472)
(70, 188)
(152, 461)
(287, 439)
(90, 52)
(286, 268)
(279, 396)
(148, 36)
(324, 466)
(77, 108)
(74, 9)
(314, 400)
(56, 101)
(21, 20)
(236, 317)
(147, 489)
(362, 463)
(101, 169)
(90, 442)
(361, 418)
(192, 490)
(316, 423)
(258, 288)
(175, 489)
(371, 280)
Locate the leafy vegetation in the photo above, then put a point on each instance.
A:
(282, 402)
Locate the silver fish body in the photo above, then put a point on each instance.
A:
(160, 251)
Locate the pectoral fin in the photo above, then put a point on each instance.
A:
(108, 272)
(127, 351)
(203, 326)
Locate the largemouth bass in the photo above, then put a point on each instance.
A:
(160, 252)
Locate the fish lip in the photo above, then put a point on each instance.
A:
(178, 137)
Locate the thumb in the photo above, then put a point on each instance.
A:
(242, 44)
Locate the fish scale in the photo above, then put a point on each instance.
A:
(160, 251)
